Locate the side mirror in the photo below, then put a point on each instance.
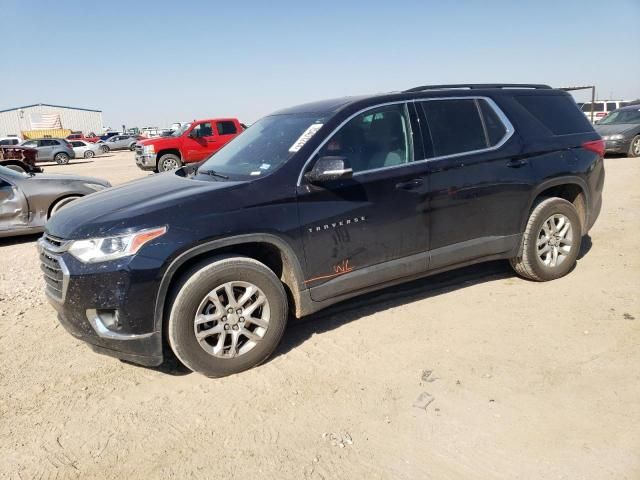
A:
(327, 169)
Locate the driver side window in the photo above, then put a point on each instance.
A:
(374, 139)
(203, 130)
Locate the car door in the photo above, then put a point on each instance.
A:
(478, 187)
(227, 131)
(112, 142)
(201, 142)
(14, 209)
(79, 147)
(373, 227)
(45, 150)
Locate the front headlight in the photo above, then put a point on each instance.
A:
(617, 136)
(148, 149)
(96, 250)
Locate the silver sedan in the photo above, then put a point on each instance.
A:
(84, 149)
(28, 201)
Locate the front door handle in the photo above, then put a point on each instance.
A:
(517, 163)
(410, 185)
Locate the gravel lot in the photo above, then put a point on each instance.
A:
(474, 374)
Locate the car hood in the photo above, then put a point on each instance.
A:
(72, 178)
(159, 142)
(622, 128)
(161, 199)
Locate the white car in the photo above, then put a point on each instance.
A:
(9, 141)
(601, 108)
(84, 149)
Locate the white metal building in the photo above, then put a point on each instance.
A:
(33, 117)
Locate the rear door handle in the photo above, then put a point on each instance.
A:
(410, 184)
(517, 163)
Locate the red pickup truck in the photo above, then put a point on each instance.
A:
(193, 142)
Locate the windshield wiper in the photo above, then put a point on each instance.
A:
(213, 173)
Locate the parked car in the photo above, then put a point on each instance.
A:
(193, 142)
(11, 140)
(57, 150)
(621, 131)
(80, 136)
(84, 149)
(27, 201)
(20, 159)
(108, 135)
(601, 108)
(319, 203)
(121, 142)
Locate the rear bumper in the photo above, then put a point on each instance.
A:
(146, 161)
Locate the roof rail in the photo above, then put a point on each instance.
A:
(474, 86)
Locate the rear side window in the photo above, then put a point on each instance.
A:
(597, 107)
(493, 125)
(556, 112)
(226, 128)
(455, 126)
(611, 106)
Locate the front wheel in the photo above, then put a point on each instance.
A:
(551, 241)
(132, 147)
(104, 148)
(89, 154)
(228, 315)
(169, 162)
(634, 147)
(61, 158)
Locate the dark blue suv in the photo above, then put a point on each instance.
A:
(318, 203)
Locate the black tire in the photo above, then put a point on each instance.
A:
(105, 149)
(61, 158)
(89, 154)
(169, 162)
(529, 264)
(132, 147)
(194, 287)
(634, 147)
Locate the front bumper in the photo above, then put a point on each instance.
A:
(617, 146)
(84, 295)
(146, 161)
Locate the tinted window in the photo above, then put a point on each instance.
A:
(48, 143)
(374, 139)
(492, 123)
(611, 106)
(226, 128)
(9, 141)
(556, 112)
(77, 144)
(31, 143)
(597, 107)
(203, 130)
(454, 126)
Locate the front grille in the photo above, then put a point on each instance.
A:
(52, 266)
(139, 150)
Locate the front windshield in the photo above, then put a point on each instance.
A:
(181, 130)
(621, 116)
(264, 146)
(7, 172)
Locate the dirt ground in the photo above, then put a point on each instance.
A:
(474, 374)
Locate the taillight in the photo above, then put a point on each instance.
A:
(601, 114)
(595, 146)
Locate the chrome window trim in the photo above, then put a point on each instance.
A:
(510, 130)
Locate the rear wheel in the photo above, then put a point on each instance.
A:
(169, 162)
(89, 154)
(228, 315)
(104, 148)
(634, 147)
(60, 204)
(132, 147)
(61, 158)
(551, 241)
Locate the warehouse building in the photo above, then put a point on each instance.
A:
(43, 116)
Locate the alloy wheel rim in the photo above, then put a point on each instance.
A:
(232, 319)
(170, 164)
(636, 146)
(555, 240)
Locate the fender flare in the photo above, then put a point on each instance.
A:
(203, 248)
(554, 182)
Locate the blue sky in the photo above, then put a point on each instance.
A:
(156, 62)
